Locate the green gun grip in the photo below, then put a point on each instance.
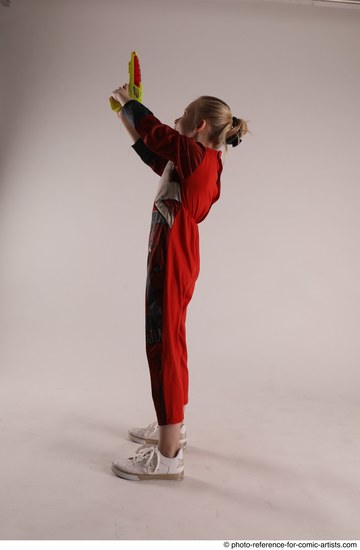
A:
(115, 105)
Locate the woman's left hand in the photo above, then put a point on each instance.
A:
(121, 94)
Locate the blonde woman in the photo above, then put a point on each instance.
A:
(188, 159)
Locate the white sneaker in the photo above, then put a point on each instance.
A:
(149, 463)
(150, 435)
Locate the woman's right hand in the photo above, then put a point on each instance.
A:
(121, 94)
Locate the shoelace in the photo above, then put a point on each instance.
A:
(150, 428)
(145, 455)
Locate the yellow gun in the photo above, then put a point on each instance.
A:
(135, 85)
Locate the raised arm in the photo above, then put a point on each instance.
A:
(156, 163)
(162, 140)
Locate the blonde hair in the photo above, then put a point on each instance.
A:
(219, 115)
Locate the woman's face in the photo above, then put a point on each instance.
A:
(185, 124)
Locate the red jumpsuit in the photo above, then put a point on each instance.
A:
(189, 185)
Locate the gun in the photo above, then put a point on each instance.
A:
(135, 85)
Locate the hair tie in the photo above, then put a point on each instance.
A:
(234, 140)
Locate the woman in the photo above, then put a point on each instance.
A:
(188, 159)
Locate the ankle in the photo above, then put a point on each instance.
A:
(168, 452)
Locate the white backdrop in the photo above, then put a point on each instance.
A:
(273, 326)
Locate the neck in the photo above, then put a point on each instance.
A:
(205, 142)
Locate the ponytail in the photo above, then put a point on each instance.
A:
(226, 129)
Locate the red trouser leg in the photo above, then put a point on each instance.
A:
(183, 347)
(169, 287)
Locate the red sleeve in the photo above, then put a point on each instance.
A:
(186, 153)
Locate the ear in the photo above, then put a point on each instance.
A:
(201, 125)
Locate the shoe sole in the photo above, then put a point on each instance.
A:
(144, 477)
(183, 443)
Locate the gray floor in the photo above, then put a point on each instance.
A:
(264, 461)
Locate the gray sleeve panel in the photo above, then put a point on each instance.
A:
(134, 111)
(144, 153)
